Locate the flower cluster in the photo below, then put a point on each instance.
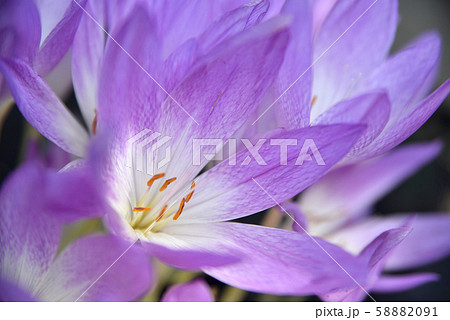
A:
(196, 113)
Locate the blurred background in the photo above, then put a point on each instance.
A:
(427, 191)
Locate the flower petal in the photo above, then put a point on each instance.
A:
(29, 239)
(20, 29)
(40, 106)
(223, 89)
(189, 247)
(371, 109)
(350, 191)
(98, 268)
(374, 255)
(179, 14)
(194, 291)
(276, 261)
(295, 74)
(12, 293)
(229, 191)
(427, 242)
(395, 283)
(360, 34)
(87, 54)
(58, 41)
(406, 82)
(129, 95)
(233, 22)
(407, 124)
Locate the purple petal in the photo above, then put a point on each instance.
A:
(13, 293)
(223, 90)
(350, 191)
(428, 242)
(374, 255)
(321, 9)
(229, 191)
(20, 29)
(42, 108)
(181, 20)
(300, 223)
(369, 32)
(56, 44)
(76, 271)
(193, 291)
(128, 95)
(276, 261)
(233, 22)
(29, 238)
(87, 54)
(295, 103)
(406, 82)
(371, 109)
(407, 124)
(395, 283)
(190, 247)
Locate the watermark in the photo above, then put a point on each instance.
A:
(144, 150)
(150, 151)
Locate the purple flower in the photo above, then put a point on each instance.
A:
(33, 207)
(215, 81)
(193, 291)
(39, 33)
(337, 207)
(337, 69)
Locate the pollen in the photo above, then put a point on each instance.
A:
(313, 101)
(154, 178)
(166, 183)
(94, 123)
(189, 196)
(140, 209)
(180, 209)
(161, 214)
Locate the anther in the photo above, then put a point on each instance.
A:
(94, 123)
(193, 185)
(154, 178)
(180, 209)
(140, 209)
(161, 214)
(166, 183)
(313, 101)
(189, 196)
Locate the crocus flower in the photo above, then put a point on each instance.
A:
(40, 33)
(215, 83)
(33, 208)
(196, 290)
(337, 207)
(337, 69)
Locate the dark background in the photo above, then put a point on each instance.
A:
(427, 191)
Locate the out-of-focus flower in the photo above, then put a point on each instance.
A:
(337, 207)
(215, 83)
(34, 204)
(193, 291)
(40, 33)
(337, 69)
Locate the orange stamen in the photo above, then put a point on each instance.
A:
(189, 196)
(161, 214)
(166, 183)
(314, 99)
(154, 178)
(94, 123)
(180, 209)
(193, 185)
(141, 209)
